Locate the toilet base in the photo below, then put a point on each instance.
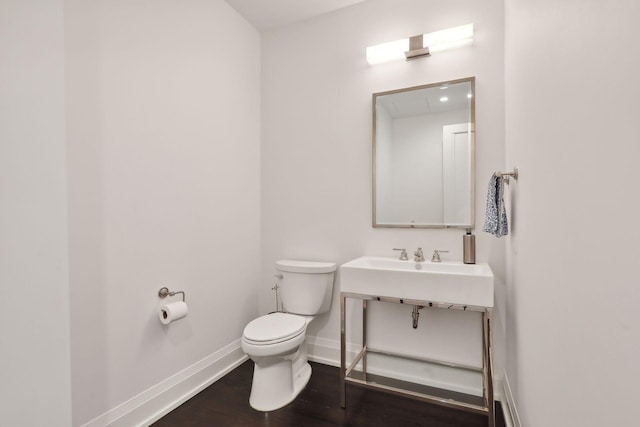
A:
(277, 384)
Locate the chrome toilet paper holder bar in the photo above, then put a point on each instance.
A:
(165, 292)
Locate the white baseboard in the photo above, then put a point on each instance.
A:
(327, 352)
(160, 399)
(509, 406)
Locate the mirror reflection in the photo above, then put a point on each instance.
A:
(423, 156)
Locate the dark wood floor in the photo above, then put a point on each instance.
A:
(226, 403)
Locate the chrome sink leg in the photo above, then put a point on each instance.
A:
(343, 347)
(364, 339)
(487, 365)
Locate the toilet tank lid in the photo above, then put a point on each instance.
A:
(295, 266)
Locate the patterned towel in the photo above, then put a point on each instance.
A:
(496, 217)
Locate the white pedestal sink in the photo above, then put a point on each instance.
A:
(442, 285)
(445, 283)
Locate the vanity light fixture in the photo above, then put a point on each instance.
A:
(421, 45)
(444, 98)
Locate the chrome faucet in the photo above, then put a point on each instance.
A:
(436, 255)
(403, 254)
(419, 256)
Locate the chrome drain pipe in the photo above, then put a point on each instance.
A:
(416, 314)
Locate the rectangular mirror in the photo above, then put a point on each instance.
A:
(424, 156)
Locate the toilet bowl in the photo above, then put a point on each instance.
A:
(276, 342)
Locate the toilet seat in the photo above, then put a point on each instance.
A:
(274, 328)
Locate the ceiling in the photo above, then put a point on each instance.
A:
(268, 14)
(420, 102)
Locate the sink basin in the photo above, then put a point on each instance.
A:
(444, 283)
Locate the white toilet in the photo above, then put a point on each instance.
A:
(276, 342)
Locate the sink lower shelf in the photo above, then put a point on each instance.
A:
(436, 395)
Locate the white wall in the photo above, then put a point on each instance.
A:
(571, 103)
(34, 278)
(163, 121)
(316, 156)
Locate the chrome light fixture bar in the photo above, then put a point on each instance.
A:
(417, 48)
(421, 45)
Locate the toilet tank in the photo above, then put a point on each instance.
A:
(306, 287)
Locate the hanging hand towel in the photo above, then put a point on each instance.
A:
(496, 217)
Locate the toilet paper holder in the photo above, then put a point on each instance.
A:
(165, 292)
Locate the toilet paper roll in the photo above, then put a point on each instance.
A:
(172, 312)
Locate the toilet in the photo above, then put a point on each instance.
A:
(276, 342)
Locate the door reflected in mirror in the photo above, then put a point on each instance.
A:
(424, 156)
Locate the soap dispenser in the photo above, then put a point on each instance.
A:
(469, 247)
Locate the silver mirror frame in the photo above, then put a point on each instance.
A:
(472, 106)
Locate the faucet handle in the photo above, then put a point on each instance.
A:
(403, 253)
(436, 255)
